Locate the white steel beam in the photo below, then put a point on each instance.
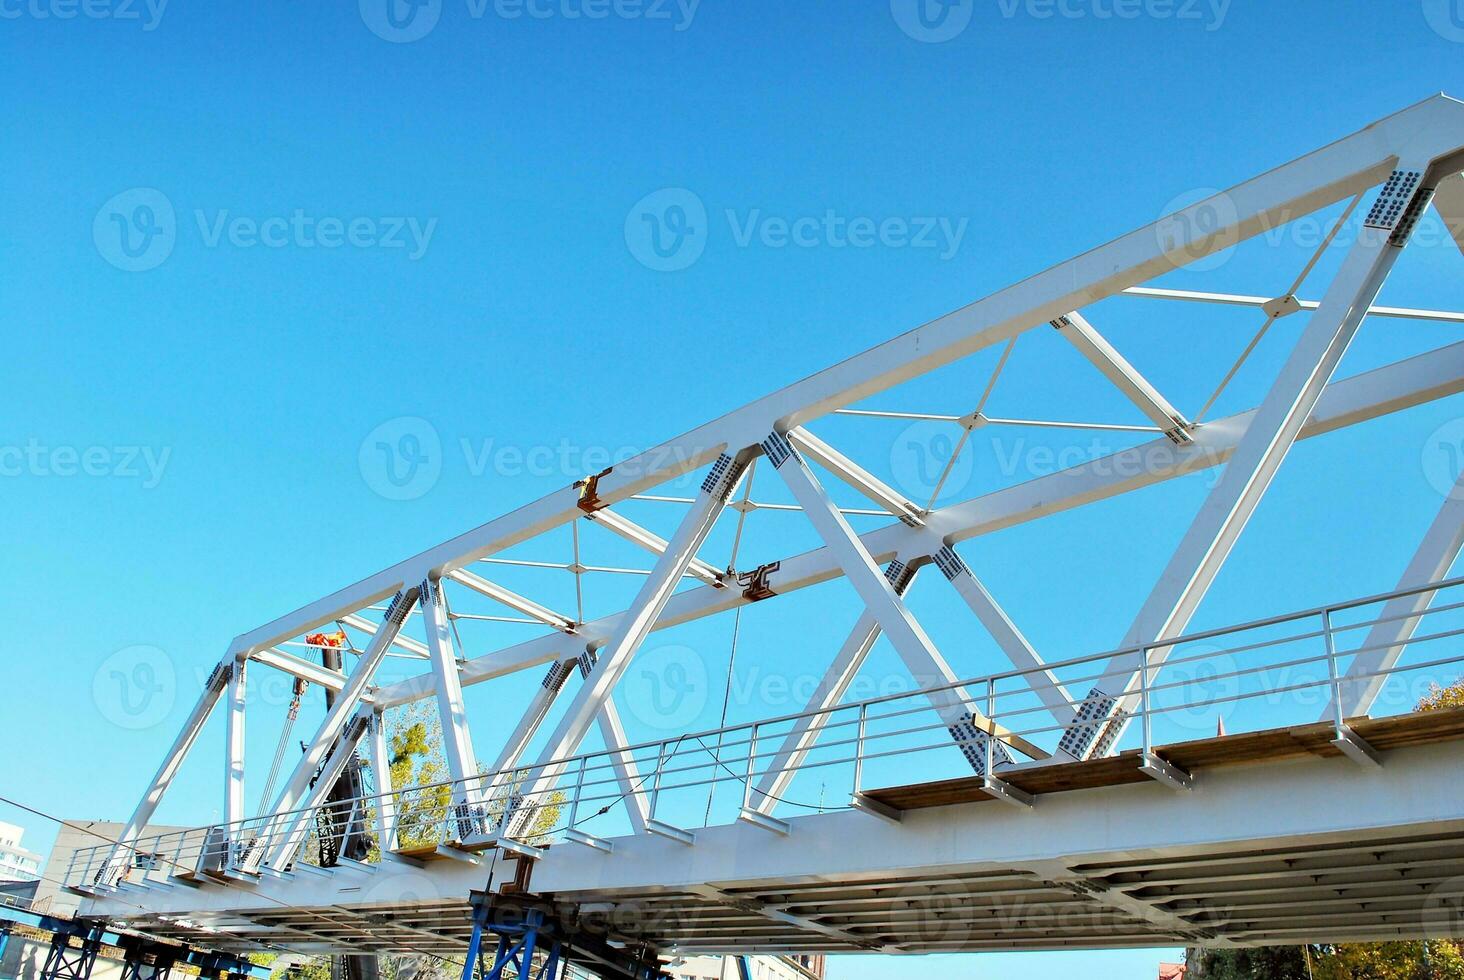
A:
(654, 543)
(627, 773)
(1261, 302)
(1076, 330)
(1449, 200)
(457, 738)
(954, 705)
(805, 731)
(400, 642)
(234, 744)
(512, 600)
(1212, 535)
(1019, 651)
(1432, 128)
(213, 690)
(386, 810)
(637, 623)
(1399, 617)
(856, 476)
(326, 737)
(1372, 394)
(539, 705)
(331, 680)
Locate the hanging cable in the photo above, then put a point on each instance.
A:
(279, 756)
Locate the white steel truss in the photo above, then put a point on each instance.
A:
(1411, 153)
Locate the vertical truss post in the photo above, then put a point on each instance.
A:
(1019, 651)
(234, 752)
(633, 627)
(118, 860)
(469, 816)
(968, 726)
(1399, 618)
(386, 810)
(1270, 435)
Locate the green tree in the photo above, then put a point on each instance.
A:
(1440, 959)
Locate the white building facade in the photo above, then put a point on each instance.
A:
(16, 863)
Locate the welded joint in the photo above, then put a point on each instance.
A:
(1281, 306)
(1164, 772)
(754, 584)
(589, 492)
(1356, 748)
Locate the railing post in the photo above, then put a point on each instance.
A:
(656, 783)
(1146, 723)
(751, 768)
(859, 735)
(579, 789)
(990, 740)
(1333, 674)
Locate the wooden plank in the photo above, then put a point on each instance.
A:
(1218, 752)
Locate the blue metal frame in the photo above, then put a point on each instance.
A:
(517, 943)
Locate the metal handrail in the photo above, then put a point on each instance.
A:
(677, 766)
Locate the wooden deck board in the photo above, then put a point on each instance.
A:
(1246, 748)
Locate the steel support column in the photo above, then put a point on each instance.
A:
(457, 740)
(234, 747)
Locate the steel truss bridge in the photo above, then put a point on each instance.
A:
(1048, 805)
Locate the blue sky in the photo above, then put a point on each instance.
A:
(360, 228)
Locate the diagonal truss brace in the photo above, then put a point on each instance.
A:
(857, 477)
(1399, 617)
(1258, 457)
(970, 727)
(634, 627)
(512, 600)
(654, 543)
(1076, 330)
(1043, 682)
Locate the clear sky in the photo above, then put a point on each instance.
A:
(245, 244)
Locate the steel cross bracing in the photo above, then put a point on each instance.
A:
(1415, 155)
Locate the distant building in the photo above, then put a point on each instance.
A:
(16, 863)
